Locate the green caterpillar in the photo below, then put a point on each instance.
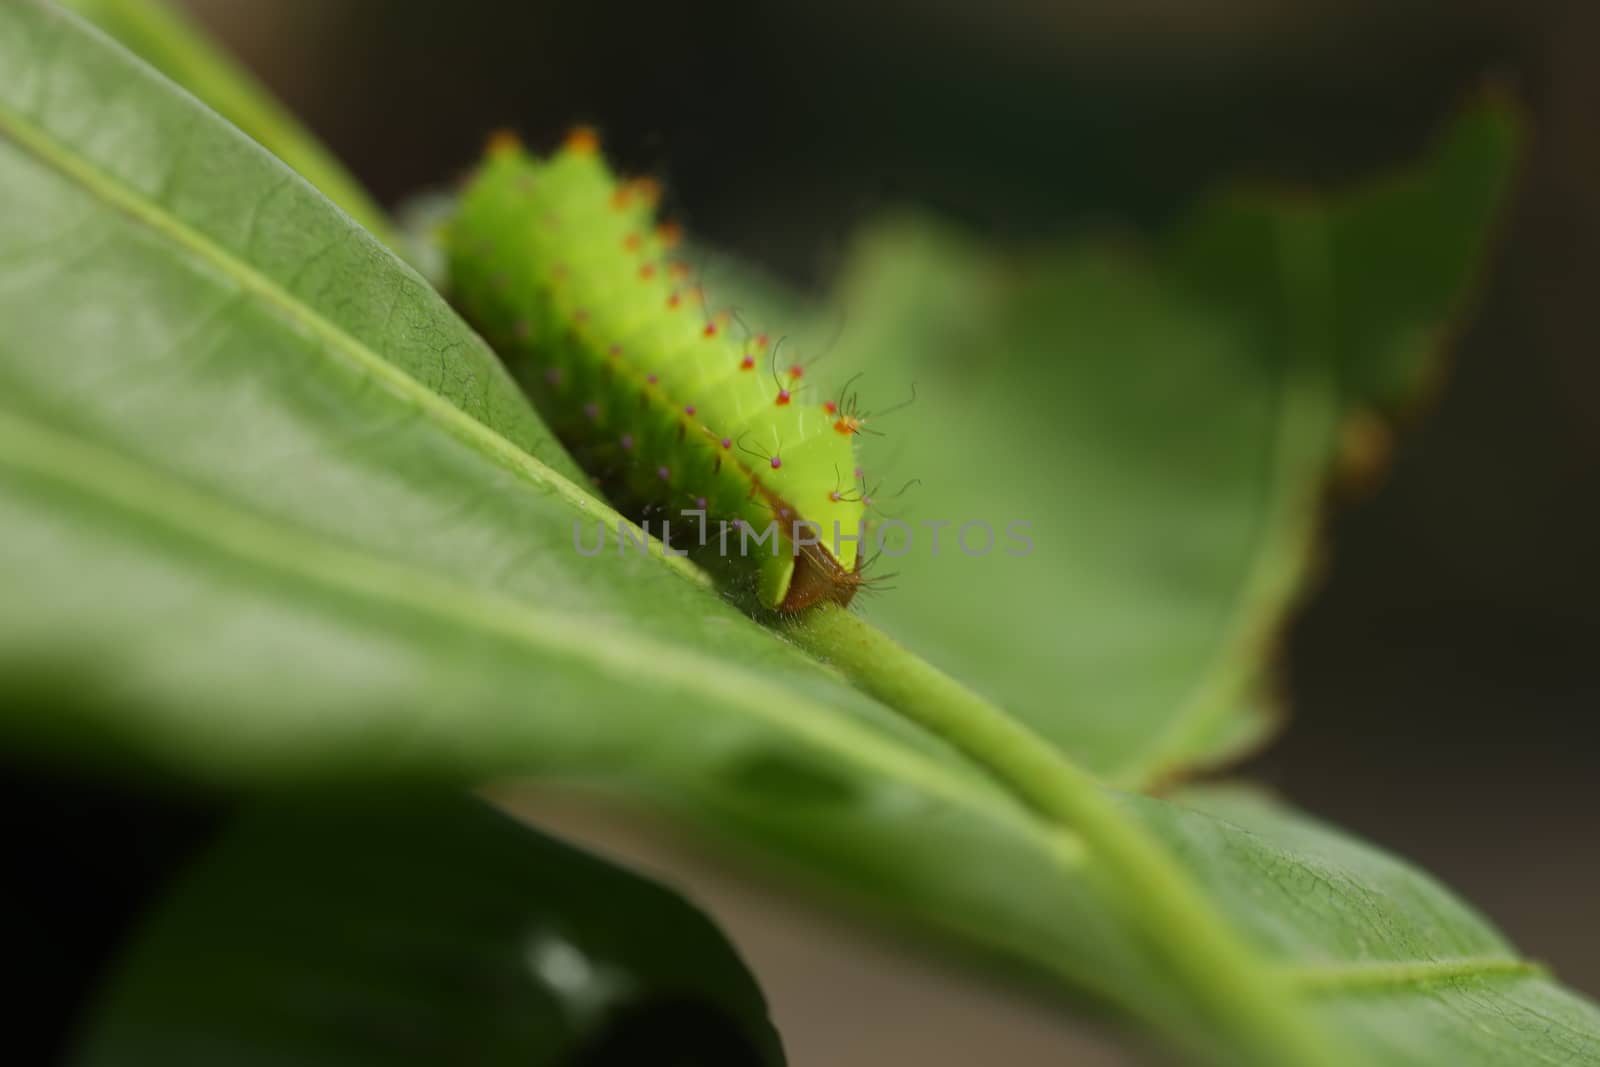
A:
(564, 269)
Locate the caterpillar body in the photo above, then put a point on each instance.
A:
(672, 409)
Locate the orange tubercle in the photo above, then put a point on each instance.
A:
(646, 189)
(582, 140)
(847, 425)
(669, 233)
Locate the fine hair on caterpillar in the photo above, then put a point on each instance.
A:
(668, 403)
(848, 412)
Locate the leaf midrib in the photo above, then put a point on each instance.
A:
(1325, 979)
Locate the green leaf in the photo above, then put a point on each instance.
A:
(422, 930)
(1403, 971)
(273, 514)
(1165, 417)
(174, 46)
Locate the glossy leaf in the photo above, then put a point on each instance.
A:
(420, 930)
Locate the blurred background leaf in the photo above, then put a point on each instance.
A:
(1165, 419)
(345, 929)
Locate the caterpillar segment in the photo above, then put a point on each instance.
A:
(670, 407)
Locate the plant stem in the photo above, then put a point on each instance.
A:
(1223, 973)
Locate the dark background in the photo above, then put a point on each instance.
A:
(1443, 676)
